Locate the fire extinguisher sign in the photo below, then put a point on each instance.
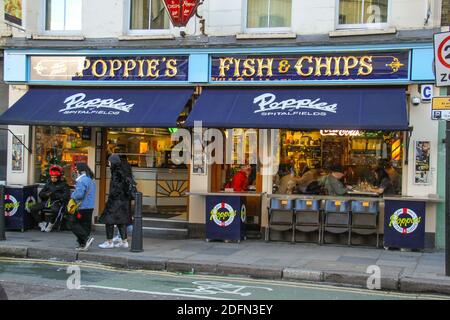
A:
(442, 58)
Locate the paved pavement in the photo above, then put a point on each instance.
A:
(399, 271)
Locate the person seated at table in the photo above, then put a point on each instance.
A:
(308, 183)
(54, 195)
(240, 179)
(383, 183)
(332, 184)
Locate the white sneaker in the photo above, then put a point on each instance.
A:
(42, 225)
(49, 227)
(107, 245)
(121, 244)
(117, 238)
(87, 245)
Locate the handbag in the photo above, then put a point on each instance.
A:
(72, 206)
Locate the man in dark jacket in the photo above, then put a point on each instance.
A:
(54, 195)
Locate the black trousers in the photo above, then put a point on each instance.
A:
(40, 216)
(110, 231)
(81, 228)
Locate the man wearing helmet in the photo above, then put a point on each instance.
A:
(54, 195)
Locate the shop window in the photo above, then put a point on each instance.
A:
(63, 15)
(143, 147)
(148, 15)
(363, 13)
(243, 153)
(273, 14)
(360, 153)
(59, 146)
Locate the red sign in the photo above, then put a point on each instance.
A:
(181, 11)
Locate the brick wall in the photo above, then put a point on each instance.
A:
(445, 13)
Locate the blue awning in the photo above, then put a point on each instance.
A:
(99, 107)
(303, 108)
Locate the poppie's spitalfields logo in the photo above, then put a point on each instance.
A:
(268, 105)
(77, 104)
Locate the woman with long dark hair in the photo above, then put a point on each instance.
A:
(383, 183)
(117, 211)
(84, 194)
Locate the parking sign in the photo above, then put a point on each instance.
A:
(442, 58)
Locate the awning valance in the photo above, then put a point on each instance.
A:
(99, 107)
(302, 108)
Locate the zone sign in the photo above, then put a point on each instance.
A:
(442, 58)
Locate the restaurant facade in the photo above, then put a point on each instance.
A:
(310, 107)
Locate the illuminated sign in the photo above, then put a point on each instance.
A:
(318, 67)
(142, 68)
(341, 133)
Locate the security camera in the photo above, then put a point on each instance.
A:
(415, 101)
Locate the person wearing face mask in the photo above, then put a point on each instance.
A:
(84, 195)
(54, 196)
(117, 210)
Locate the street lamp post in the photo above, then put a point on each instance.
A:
(447, 199)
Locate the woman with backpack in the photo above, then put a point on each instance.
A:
(84, 195)
(117, 209)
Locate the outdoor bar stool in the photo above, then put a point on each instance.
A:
(336, 218)
(307, 218)
(365, 218)
(281, 217)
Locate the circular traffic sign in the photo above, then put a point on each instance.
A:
(444, 60)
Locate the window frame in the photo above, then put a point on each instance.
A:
(381, 25)
(43, 23)
(130, 31)
(268, 29)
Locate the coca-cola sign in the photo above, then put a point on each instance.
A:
(181, 11)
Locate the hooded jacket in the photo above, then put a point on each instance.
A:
(117, 209)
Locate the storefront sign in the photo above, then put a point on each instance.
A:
(143, 68)
(13, 12)
(422, 162)
(181, 11)
(222, 214)
(404, 225)
(440, 108)
(320, 67)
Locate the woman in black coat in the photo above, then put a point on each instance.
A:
(117, 206)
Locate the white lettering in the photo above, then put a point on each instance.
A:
(266, 102)
(76, 101)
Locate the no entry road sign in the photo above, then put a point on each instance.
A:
(442, 58)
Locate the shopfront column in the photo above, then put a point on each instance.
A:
(17, 172)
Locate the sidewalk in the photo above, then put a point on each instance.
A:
(400, 271)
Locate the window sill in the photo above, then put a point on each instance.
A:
(361, 32)
(147, 37)
(57, 37)
(248, 36)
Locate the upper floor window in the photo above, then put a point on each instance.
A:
(269, 14)
(368, 13)
(148, 14)
(63, 15)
